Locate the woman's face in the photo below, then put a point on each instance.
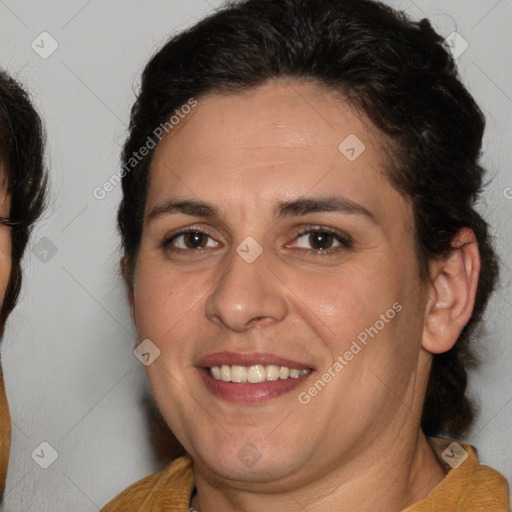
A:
(301, 256)
(5, 238)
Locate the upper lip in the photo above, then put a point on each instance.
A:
(248, 359)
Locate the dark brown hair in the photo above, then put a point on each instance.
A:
(21, 153)
(398, 72)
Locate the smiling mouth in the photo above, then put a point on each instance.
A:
(251, 378)
(254, 374)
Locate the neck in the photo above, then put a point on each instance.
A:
(388, 478)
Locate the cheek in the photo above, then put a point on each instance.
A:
(5, 259)
(165, 301)
(348, 298)
(376, 304)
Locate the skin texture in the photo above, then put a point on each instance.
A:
(357, 445)
(5, 239)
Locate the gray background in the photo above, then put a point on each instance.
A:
(71, 377)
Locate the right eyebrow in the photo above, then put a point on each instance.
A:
(193, 208)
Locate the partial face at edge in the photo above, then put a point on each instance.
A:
(5, 236)
(305, 299)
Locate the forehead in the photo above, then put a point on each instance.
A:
(278, 141)
(269, 119)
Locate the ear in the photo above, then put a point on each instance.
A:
(452, 291)
(128, 279)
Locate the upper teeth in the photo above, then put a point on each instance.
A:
(254, 373)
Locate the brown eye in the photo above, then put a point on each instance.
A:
(189, 240)
(321, 240)
(195, 240)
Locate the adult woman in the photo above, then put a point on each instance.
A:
(303, 260)
(21, 203)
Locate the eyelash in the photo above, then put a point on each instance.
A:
(344, 240)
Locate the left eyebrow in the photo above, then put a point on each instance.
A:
(299, 207)
(337, 204)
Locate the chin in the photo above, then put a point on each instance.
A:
(241, 460)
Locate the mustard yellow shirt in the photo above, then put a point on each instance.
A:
(470, 487)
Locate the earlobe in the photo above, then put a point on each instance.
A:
(453, 288)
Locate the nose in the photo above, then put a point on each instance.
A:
(246, 295)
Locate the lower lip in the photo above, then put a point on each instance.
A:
(250, 393)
